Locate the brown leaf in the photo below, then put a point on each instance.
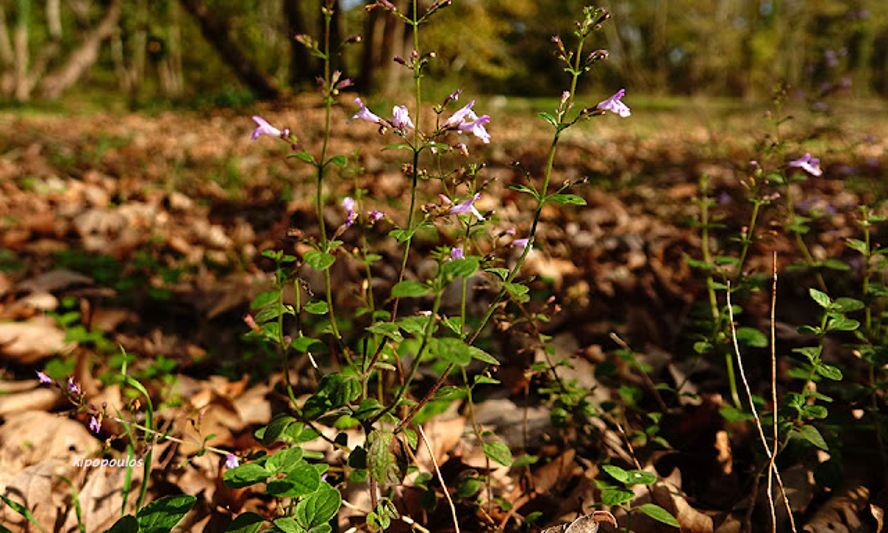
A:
(841, 513)
(32, 340)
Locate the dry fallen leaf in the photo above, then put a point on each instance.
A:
(32, 340)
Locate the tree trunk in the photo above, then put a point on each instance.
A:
(373, 28)
(21, 89)
(300, 61)
(81, 58)
(215, 30)
(54, 18)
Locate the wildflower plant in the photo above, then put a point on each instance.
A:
(378, 347)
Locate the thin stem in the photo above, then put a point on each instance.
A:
(755, 415)
(428, 446)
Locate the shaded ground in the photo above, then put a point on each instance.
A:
(146, 233)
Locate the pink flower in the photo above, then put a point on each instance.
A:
(809, 164)
(94, 425)
(231, 461)
(457, 253)
(365, 114)
(614, 104)
(44, 379)
(459, 116)
(264, 129)
(467, 206)
(401, 118)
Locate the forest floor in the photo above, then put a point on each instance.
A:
(143, 234)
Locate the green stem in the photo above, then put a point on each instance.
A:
(541, 201)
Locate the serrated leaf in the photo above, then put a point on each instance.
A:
(319, 507)
(303, 344)
(410, 289)
(319, 260)
(303, 156)
(302, 478)
(616, 472)
(284, 460)
(481, 355)
(275, 428)
(264, 298)
(659, 514)
(386, 329)
(126, 524)
(461, 268)
(338, 160)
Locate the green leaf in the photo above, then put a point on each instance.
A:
(245, 523)
(400, 146)
(659, 514)
(318, 508)
(303, 156)
(409, 289)
(614, 496)
(387, 329)
(517, 291)
(303, 344)
(497, 450)
(381, 462)
(503, 273)
(857, 245)
(822, 299)
(841, 323)
(126, 524)
(640, 477)
(316, 308)
(338, 160)
(22, 510)
(319, 260)
(302, 479)
(829, 372)
(461, 268)
(275, 428)
(752, 337)
(288, 525)
(481, 355)
(452, 350)
(245, 475)
(848, 305)
(569, 199)
(616, 472)
(810, 434)
(549, 119)
(264, 298)
(284, 460)
(161, 515)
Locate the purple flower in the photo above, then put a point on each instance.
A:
(468, 206)
(44, 379)
(476, 127)
(375, 216)
(459, 116)
(614, 104)
(73, 387)
(457, 253)
(350, 214)
(231, 461)
(466, 120)
(522, 243)
(454, 96)
(94, 425)
(401, 118)
(365, 114)
(809, 164)
(264, 129)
